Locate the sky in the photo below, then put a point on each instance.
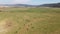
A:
(31, 2)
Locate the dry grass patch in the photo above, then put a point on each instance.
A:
(6, 25)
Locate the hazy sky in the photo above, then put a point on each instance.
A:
(33, 2)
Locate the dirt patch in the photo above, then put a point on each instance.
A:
(4, 26)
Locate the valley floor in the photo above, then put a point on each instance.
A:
(30, 21)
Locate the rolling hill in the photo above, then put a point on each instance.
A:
(50, 5)
(26, 5)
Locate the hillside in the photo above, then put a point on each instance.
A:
(50, 5)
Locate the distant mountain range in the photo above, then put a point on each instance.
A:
(26, 5)
(50, 5)
(18, 5)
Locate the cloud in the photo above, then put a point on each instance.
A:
(20, 1)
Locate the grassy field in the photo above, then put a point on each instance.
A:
(30, 21)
